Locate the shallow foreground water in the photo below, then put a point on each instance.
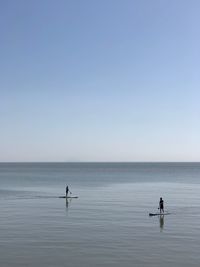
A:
(108, 225)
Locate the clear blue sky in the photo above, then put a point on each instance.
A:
(108, 80)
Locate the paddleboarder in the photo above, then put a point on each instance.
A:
(161, 205)
(67, 191)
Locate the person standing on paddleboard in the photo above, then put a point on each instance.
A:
(161, 205)
(67, 190)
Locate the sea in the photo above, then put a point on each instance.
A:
(108, 224)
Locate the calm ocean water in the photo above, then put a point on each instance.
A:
(108, 225)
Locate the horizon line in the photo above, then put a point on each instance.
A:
(99, 162)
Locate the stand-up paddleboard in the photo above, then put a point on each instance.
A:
(159, 214)
(68, 197)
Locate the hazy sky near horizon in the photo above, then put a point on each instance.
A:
(108, 80)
